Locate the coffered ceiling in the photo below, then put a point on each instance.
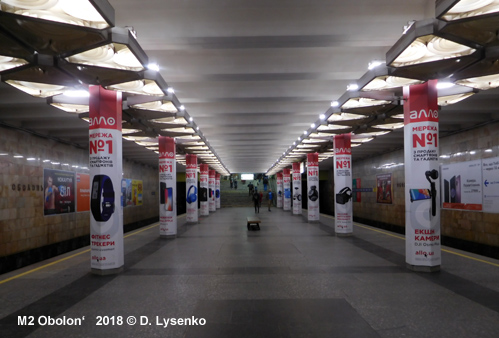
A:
(255, 74)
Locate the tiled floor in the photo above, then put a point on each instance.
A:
(290, 279)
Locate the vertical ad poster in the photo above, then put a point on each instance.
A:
(191, 184)
(280, 193)
(356, 186)
(203, 190)
(105, 163)
(384, 190)
(286, 184)
(167, 187)
(59, 192)
(490, 181)
(82, 192)
(461, 185)
(212, 203)
(343, 184)
(297, 195)
(128, 193)
(422, 188)
(313, 186)
(217, 190)
(137, 187)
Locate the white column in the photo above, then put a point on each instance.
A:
(343, 185)
(217, 190)
(167, 188)
(422, 185)
(286, 184)
(204, 190)
(105, 157)
(296, 191)
(280, 190)
(211, 191)
(191, 185)
(313, 187)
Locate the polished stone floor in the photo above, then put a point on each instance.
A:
(290, 279)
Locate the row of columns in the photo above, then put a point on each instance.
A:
(421, 169)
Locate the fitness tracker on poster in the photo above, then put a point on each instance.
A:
(313, 194)
(217, 193)
(102, 199)
(192, 193)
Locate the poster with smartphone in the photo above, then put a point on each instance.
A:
(167, 187)
(461, 185)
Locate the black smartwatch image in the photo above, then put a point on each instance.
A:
(102, 199)
(313, 194)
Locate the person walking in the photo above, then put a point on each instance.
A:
(260, 198)
(256, 201)
(269, 198)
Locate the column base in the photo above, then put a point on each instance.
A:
(422, 268)
(191, 223)
(313, 222)
(106, 272)
(168, 236)
(340, 234)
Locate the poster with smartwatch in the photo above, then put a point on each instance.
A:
(167, 187)
(105, 164)
(422, 177)
(343, 184)
(313, 186)
(204, 190)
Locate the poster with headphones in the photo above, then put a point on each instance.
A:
(297, 195)
(343, 184)
(167, 187)
(286, 184)
(191, 184)
(280, 193)
(105, 164)
(313, 186)
(422, 175)
(204, 190)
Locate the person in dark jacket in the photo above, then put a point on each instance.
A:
(256, 201)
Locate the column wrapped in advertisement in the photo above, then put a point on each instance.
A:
(167, 187)
(105, 164)
(313, 186)
(343, 184)
(191, 184)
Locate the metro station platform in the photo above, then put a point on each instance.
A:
(290, 279)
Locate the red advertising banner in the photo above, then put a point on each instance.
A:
(82, 192)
